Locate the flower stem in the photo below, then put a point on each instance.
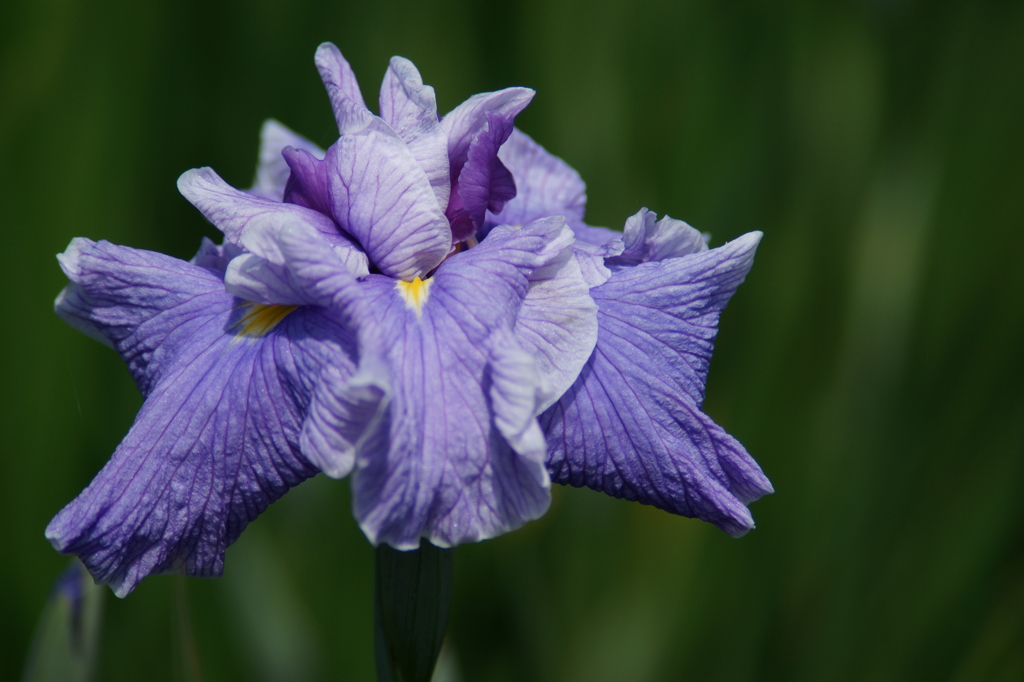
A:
(412, 591)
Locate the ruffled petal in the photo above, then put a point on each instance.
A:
(557, 325)
(454, 455)
(545, 185)
(465, 121)
(234, 212)
(484, 183)
(381, 196)
(350, 110)
(410, 108)
(217, 439)
(647, 239)
(632, 425)
(271, 170)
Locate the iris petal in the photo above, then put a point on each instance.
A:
(216, 440)
(632, 426)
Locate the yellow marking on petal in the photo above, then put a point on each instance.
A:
(260, 319)
(414, 293)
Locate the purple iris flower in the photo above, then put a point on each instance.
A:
(344, 326)
(420, 306)
(632, 425)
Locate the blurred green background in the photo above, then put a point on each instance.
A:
(872, 362)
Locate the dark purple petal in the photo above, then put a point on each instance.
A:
(272, 171)
(484, 183)
(410, 108)
(216, 440)
(463, 123)
(631, 425)
(455, 454)
(308, 184)
(646, 241)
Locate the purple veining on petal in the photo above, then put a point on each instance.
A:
(557, 324)
(455, 453)
(631, 425)
(216, 440)
(350, 110)
(308, 182)
(382, 197)
(235, 213)
(410, 108)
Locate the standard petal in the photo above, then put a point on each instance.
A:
(648, 240)
(308, 184)
(591, 259)
(410, 108)
(382, 197)
(454, 459)
(271, 170)
(463, 123)
(216, 440)
(350, 110)
(631, 425)
(484, 183)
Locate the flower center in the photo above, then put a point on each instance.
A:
(260, 319)
(414, 293)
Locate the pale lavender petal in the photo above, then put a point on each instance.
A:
(648, 241)
(343, 410)
(350, 110)
(272, 171)
(454, 458)
(216, 440)
(596, 236)
(251, 278)
(557, 326)
(306, 265)
(232, 211)
(463, 123)
(545, 185)
(484, 183)
(514, 397)
(591, 259)
(631, 425)
(410, 108)
(382, 197)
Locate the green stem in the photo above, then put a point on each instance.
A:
(412, 591)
